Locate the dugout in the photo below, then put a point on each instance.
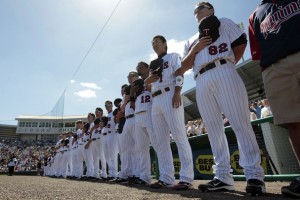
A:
(276, 153)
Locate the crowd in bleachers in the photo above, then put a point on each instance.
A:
(27, 153)
(258, 109)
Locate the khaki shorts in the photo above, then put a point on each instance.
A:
(282, 86)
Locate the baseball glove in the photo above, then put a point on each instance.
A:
(140, 84)
(156, 66)
(209, 26)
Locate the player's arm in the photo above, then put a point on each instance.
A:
(124, 102)
(254, 45)
(133, 90)
(188, 60)
(176, 100)
(87, 145)
(238, 47)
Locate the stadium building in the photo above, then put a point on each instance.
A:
(45, 127)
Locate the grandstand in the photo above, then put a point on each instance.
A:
(8, 132)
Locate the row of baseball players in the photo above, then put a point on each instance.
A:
(155, 110)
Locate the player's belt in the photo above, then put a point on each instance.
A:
(94, 139)
(143, 111)
(111, 131)
(159, 92)
(209, 67)
(129, 116)
(104, 133)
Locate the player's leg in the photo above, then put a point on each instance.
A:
(95, 155)
(234, 103)
(103, 173)
(211, 115)
(125, 145)
(143, 148)
(175, 121)
(162, 148)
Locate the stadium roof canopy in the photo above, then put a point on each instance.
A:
(43, 117)
(250, 73)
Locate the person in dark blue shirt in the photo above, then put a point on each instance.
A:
(274, 33)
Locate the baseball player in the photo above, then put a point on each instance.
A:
(69, 152)
(128, 153)
(74, 155)
(110, 143)
(64, 155)
(168, 115)
(87, 150)
(213, 54)
(57, 158)
(95, 147)
(98, 152)
(80, 155)
(140, 97)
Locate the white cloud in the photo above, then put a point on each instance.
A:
(91, 85)
(176, 46)
(72, 81)
(86, 93)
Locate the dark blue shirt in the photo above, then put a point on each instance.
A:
(274, 30)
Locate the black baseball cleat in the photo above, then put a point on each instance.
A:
(215, 185)
(293, 190)
(121, 180)
(139, 181)
(182, 185)
(255, 187)
(160, 184)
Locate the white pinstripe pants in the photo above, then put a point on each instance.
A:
(165, 118)
(222, 90)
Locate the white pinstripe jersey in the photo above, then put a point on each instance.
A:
(171, 63)
(57, 145)
(111, 122)
(143, 101)
(128, 110)
(220, 49)
(86, 136)
(96, 133)
(79, 136)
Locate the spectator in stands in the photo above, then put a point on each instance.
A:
(190, 129)
(225, 120)
(252, 111)
(200, 127)
(39, 167)
(11, 164)
(266, 110)
(257, 109)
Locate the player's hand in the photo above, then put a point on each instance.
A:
(151, 78)
(176, 100)
(201, 44)
(86, 146)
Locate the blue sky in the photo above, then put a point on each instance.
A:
(42, 42)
